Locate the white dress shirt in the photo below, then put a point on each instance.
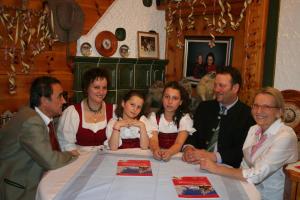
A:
(185, 124)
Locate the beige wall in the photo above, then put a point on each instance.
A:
(133, 16)
(287, 70)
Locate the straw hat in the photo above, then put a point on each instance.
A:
(68, 19)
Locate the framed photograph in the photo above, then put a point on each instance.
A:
(200, 58)
(148, 46)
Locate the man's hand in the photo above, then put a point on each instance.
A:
(188, 154)
(206, 155)
(74, 153)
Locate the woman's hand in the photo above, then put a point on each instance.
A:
(157, 154)
(165, 155)
(137, 123)
(123, 123)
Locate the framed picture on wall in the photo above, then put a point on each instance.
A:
(200, 58)
(148, 45)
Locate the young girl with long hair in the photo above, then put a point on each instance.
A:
(172, 124)
(129, 130)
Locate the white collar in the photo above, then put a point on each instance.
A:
(229, 106)
(45, 118)
(273, 129)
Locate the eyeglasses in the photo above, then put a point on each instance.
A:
(263, 107)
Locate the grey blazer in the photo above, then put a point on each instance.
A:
(25, 154)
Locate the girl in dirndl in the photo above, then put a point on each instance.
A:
(172, 124)
(131, 129)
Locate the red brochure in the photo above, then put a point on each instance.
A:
(134, 168)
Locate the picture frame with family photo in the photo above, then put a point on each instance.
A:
(201, 58)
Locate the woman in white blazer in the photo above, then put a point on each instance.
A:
(269, 145)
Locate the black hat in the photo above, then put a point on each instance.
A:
(68, 19)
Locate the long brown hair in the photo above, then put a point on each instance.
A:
(183, 108)
(119, 110)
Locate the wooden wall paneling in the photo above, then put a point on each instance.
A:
(49, 62)
(21, 98)
(255, 41)
(32, 4)
(93, 10)
(176, 56)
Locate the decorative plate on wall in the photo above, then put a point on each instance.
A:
(106, 43)
(124, 51)
(86, 49)
(147, 3)
(120, 34)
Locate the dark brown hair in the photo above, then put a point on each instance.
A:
(91, 75)
(119, 110)
(183, 108)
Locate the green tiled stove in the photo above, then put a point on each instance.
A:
(125, 74)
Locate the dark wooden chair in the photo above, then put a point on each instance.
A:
(292, 184)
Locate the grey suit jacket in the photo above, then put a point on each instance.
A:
(25, 154)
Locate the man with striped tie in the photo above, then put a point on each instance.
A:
(222, 124)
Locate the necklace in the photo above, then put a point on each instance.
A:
(95, 111)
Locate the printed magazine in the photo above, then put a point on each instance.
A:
(134, 168)
(194, 187)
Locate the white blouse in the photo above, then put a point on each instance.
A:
(68, 125)
(185, 124)
(264, 167)
(126, 132)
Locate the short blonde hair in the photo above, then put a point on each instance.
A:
(276, 94)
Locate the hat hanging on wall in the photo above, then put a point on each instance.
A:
(147, 3)
(68, 19)
(106, 43)
(120, 34)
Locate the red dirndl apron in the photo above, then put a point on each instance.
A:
(86, 137)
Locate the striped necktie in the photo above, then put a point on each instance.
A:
(214, 139)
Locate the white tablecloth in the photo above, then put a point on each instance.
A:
(93, 176)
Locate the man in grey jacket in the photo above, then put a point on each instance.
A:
(25, 148)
